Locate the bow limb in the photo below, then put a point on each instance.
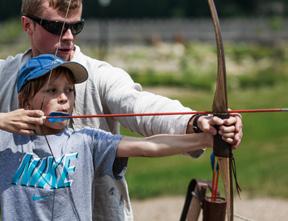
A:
(222, 149)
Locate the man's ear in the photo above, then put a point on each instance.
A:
(27, 25)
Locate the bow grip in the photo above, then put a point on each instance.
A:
(220, 147)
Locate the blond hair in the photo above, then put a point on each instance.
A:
(34, 7)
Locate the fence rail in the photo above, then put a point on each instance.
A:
(141, 31)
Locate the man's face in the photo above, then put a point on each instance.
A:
(43, 41)
(56, 95)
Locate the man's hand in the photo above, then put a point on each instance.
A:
(230, 129)
(21, 121)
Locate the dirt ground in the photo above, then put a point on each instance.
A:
(169, 209)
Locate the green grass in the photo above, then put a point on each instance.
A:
(261, 160)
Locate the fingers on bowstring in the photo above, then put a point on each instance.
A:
(36, 121)
(35, 113)
(35, 117)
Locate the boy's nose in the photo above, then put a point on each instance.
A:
(62, 98)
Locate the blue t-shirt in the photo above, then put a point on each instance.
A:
(53, 180)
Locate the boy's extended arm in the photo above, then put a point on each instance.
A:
(163, 145)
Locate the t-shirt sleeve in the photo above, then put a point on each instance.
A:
(104, 152)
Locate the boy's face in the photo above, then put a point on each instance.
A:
(57, 95)
(43, 41)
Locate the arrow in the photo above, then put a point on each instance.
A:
(54, 117)
(215, 170)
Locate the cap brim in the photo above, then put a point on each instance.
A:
(79, 71)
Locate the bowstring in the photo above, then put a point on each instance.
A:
(61, 35)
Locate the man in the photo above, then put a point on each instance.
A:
(107, 90)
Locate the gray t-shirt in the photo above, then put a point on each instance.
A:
(38, 185)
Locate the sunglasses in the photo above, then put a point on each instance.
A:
(55, 27)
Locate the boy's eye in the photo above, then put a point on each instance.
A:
(51, 90)
(54, 90)
(70, 89)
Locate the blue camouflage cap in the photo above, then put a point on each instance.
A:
(43, 64)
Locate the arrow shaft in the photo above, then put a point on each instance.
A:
(261, 110)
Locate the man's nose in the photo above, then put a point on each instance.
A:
(67, 35)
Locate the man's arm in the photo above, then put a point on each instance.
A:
(120, 94)
(21, 121)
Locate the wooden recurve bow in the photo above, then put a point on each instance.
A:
(222, 150)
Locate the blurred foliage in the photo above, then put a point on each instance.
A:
(10, 31)
(248, 65)
(276, 23)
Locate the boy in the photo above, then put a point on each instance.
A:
(51, 174)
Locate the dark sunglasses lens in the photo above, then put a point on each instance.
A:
(53, 27)
(77, 27)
